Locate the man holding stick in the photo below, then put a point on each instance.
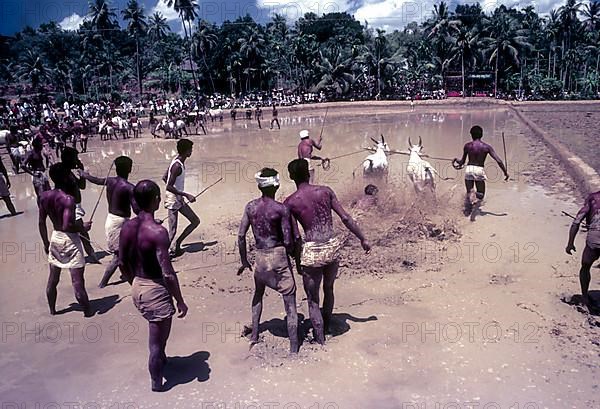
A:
(70, 159)
(119, 193)
(144, 260)
(174, 197)
(591, 213)
(270, 221)
(305, 150)
(64, 249)
(475, 176)
(317, 255)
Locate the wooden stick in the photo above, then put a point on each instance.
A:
(205, 189)
(101, 191)
(161, 221)
(505, 158)
(323, 125)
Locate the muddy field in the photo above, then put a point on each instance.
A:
(575, 125)
(444, 313)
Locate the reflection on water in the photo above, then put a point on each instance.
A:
(236, 150)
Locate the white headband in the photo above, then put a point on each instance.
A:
(267, 181)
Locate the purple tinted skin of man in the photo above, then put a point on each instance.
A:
(60, 207)
(144, 252)
(7, 199)
(590, 209)
(305, 150)
(37, 161)
(74, 187)
(270, 222)
(311, 205)
(477, 152)
(119, 194)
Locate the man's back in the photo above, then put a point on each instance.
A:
(593, 211)
(266, 217)
(119, 193)
(311, 206)
(305, 149)
(477, 152)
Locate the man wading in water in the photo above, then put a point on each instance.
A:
(475, 176)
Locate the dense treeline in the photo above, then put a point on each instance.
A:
(547, 57)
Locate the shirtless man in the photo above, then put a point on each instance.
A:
(311, 205)
(119, 193)
(70, 158)
(591, 213)
(477, 152)
(305, 150)
(258, 115)
(64, 248)
(270, 221)
(144, 260)
(4, 192)
(12, 148)
(174, 203)
(366, 202)
(35, 164)
(275, 118)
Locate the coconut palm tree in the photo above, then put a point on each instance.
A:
(136, 27)
(31, 68)
(466, 44)
(251, 47)
(205, 39)
(157, 27)
(187, 12)
(591, 15)
(335, 73)
(505, 39)
(102, 22)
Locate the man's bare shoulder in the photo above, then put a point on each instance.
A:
(322, 189)
(290, 199)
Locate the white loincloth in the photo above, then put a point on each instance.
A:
(40, 180)
(476, 173)
(310, 165)
(79, 212)
(66, 250)
(112, 227)
(320, 254)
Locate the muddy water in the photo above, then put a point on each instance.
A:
(371, 362)
(236, 150)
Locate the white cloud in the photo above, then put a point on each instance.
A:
(168, 12)
(395, 14)
(294, 9)
(391, 14)
(72, 22)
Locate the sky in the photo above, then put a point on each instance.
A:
(387, 14)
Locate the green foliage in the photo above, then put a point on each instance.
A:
(551, 56)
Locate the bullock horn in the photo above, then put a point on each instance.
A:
(420, 141)
(409, 143)
(382, 139)
(374, 140)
